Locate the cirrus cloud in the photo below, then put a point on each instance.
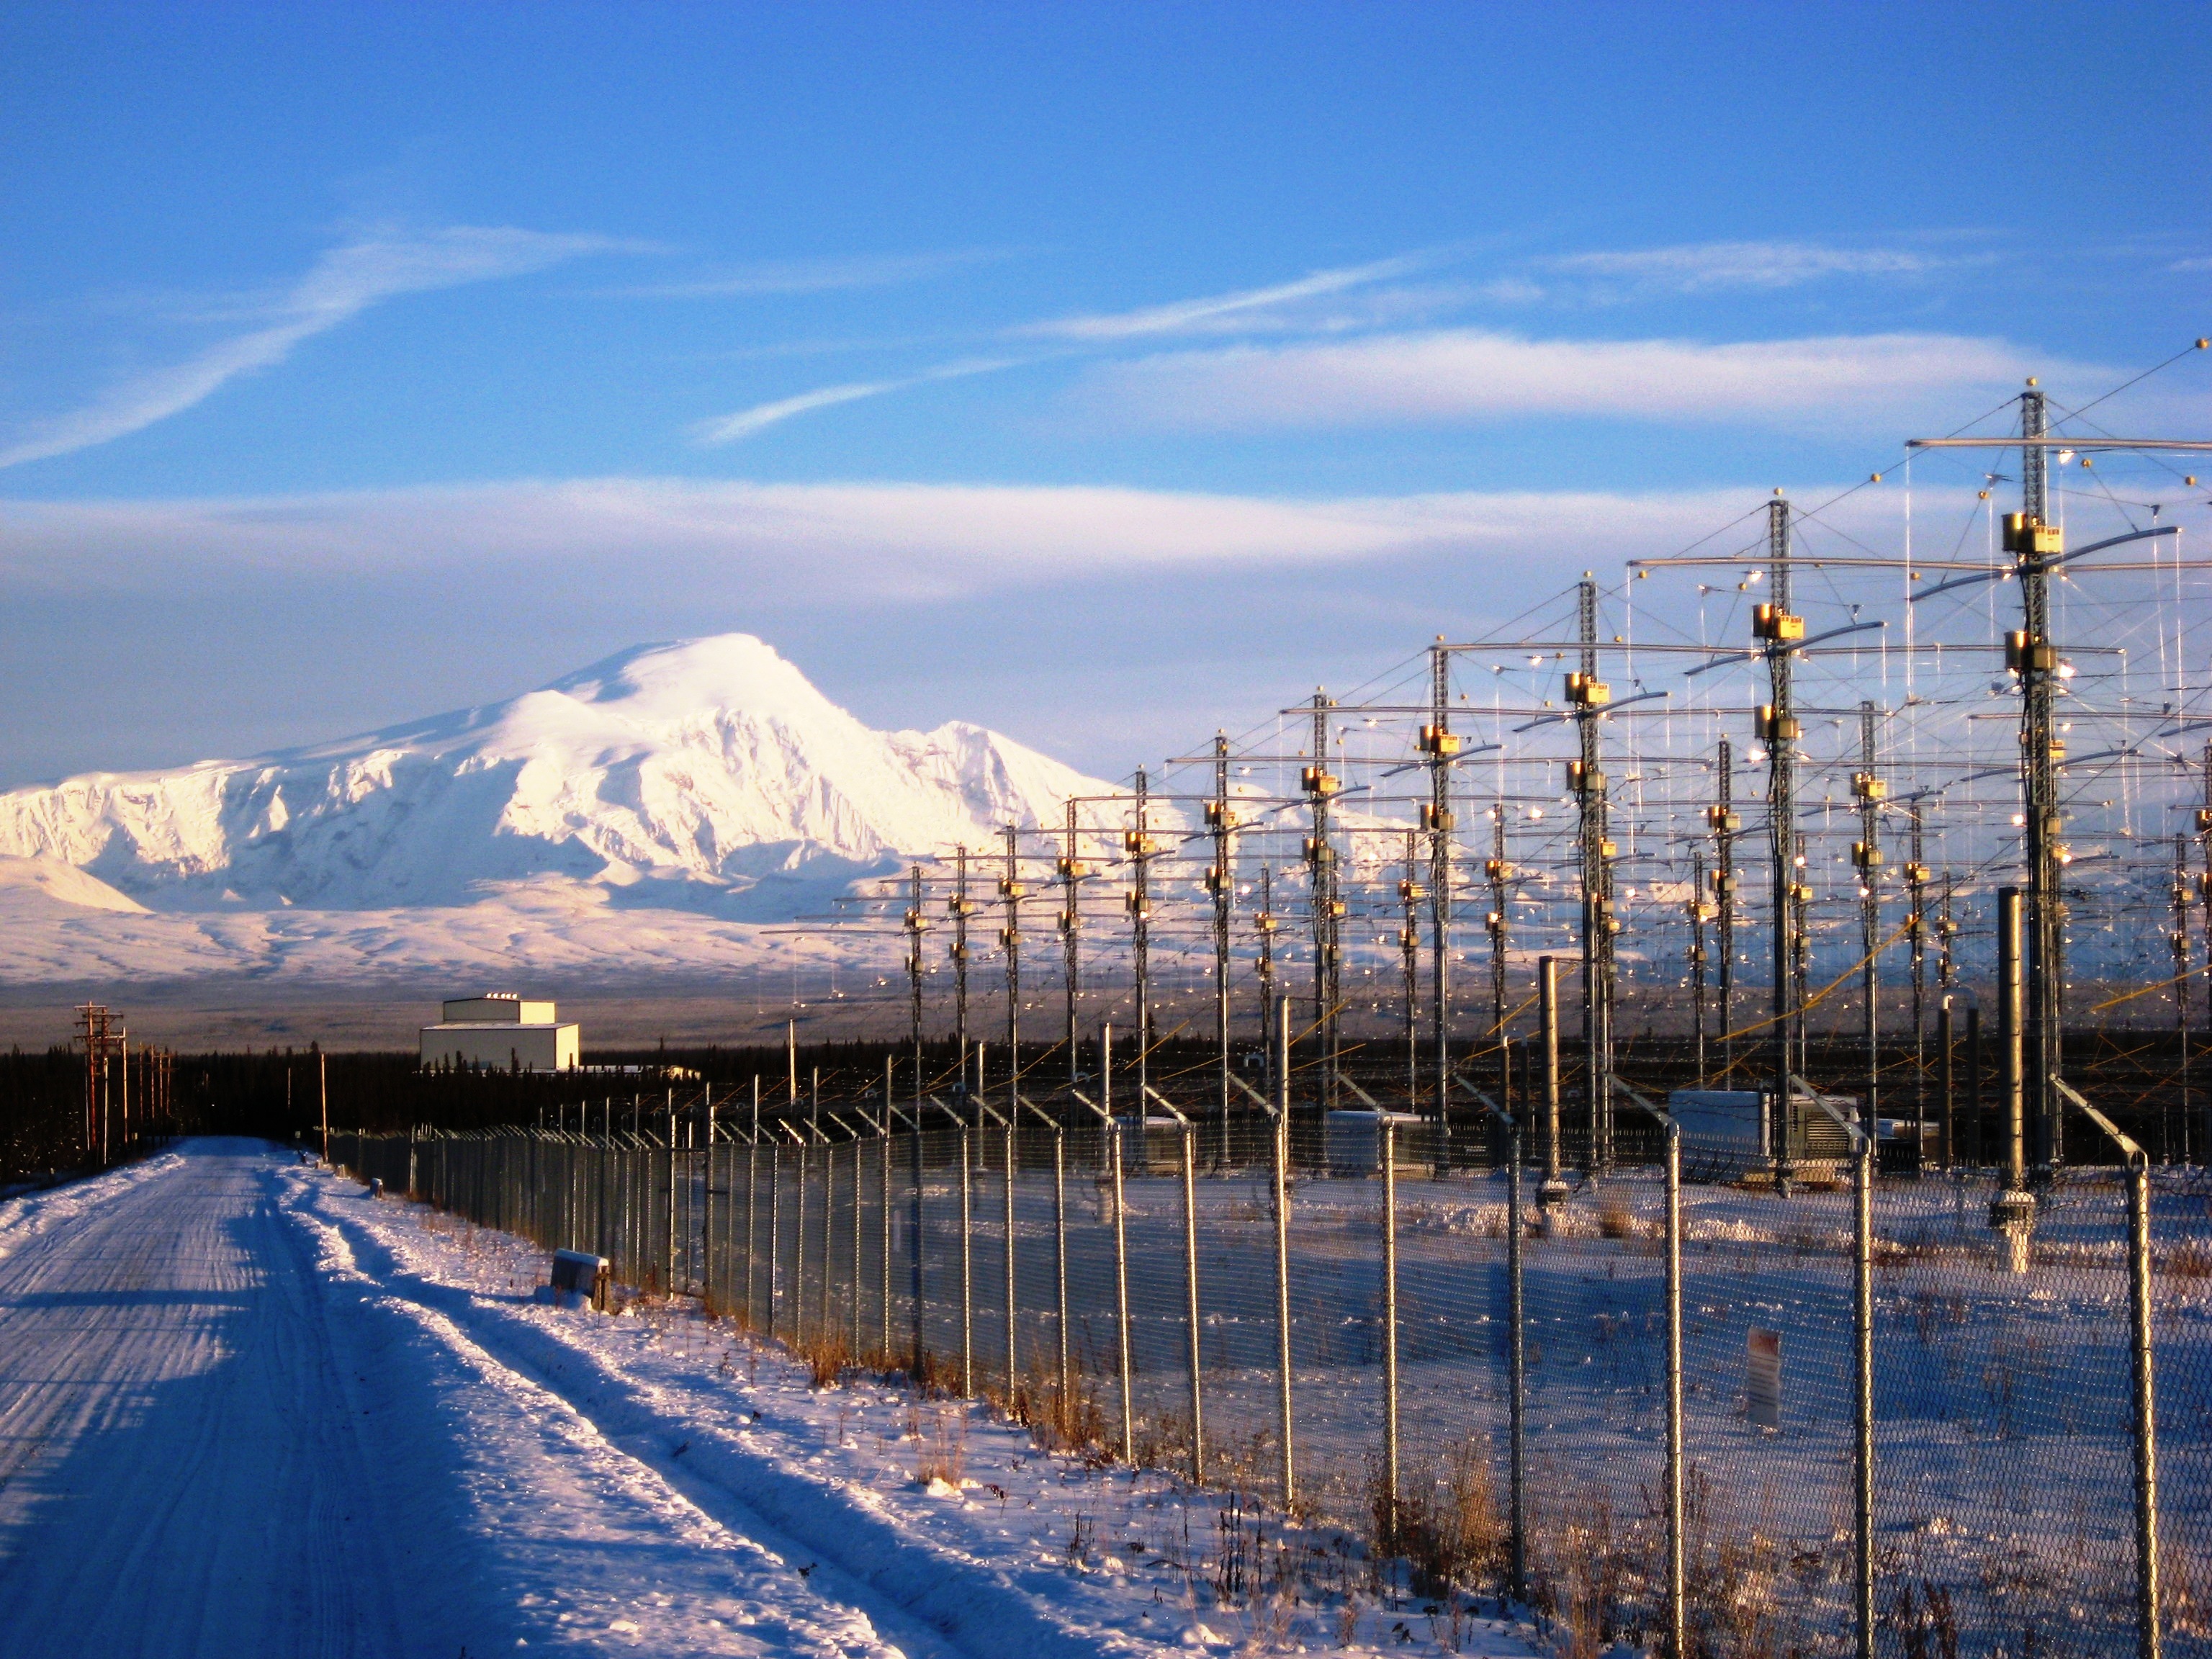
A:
(1472, 375)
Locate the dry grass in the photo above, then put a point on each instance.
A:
(1448, 1526)
(944, 1455)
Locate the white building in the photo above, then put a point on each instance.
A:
(499, 1031)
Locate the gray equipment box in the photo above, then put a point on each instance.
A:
(577, 1274)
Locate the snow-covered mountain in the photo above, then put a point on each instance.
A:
(708, 774)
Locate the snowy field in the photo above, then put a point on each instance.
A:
(246, 1410)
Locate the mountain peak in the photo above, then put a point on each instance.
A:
(706, 773)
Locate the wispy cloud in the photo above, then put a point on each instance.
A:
(1704, 267)
(1461, 374)
(824, 543)
(820, 276)
(344, 282)
(1243, 308)
(728, 429)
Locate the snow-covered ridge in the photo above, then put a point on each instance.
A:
(706, 773)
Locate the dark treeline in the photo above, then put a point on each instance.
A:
(2140, 1078)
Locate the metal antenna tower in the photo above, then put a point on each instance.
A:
(2035, 544)
(1011, 892)
(1441, 745)
(1265, 924)
(1496, 872)
(1773, 624)
(1916, 931)
(1722, 818)
(961, 910)
(1320, 784)
(1411, 892)
(1589, 694)
(1140, 846)
(1700, 910)
(1221, 885)
(1071, 870)
(917, 924)
(1869, 791)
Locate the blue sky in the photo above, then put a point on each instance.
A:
(1104, 373)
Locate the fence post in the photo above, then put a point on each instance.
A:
(1553, 1191)
(1120, 1245)
(822, 1324)
(860, 1230)
(1190, 1286)
(1676, 1578)
(1863, 1382)
(883, 1233)
(774, 1226)
(1282, 1058)
(1060, 1272)
(1013, 1105)
(1517, 1365)
(967, 1265)
(917, 1219)
(668, 1244)
(2146, 1419)
(752, 1205)
(1388, 1142)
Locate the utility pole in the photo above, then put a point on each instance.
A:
(1138, 843)
(1271, 1015)
(1915, 932)
(1779, 631)
(917, 924)
(1723, 819)
(1221, 885)
(1320, 784)
(323, 1081)
(1869, 791)
(1700, 911)
(1011, 892)
(1588, 696)
(1441, 746)
(961, 910)
(1410, 894)
(2180, 936)
(1071, 871)
(2035, 543)
(1496, 872)
(2204, 888)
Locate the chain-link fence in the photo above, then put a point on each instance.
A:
(1840, 1413)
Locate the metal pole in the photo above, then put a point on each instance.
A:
(1517, 1367)
(1553, 1191)
(1013, 1366)
(1059, 1273)
(1676, 1578)
(1121, 1243)
(1190, 1291)
(774, 1227)
(883, 1223)
(1387, 1142)
(967, 1263)
(2145, 1417)
(914, 1224)
(1282, 1139)
(860, 1234)
(1944, 1048)
(752, 1201)
(1863, 1381)
(2013, 1212)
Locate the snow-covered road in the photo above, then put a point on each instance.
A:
(247, 1410)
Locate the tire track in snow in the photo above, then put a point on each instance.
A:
(968, 1605)
(644, 1565)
